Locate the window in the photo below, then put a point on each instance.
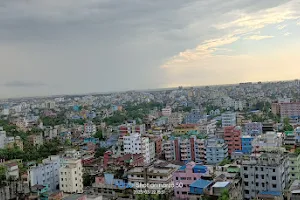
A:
(246, 175)
(246, 183)
(176, 178)
(247, 192)
(256, 176)
(62, 179)
(274, 178)
(262, 169)
(274, 170)
(245, 168)
(274, 185)
(62, 186)
(256, 184)
(75, 172)
(263, 184)
(262, 176)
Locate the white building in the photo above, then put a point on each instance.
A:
(267, 140)
(46, 173)
(70, 176)
(135, 144)
(5, 111)
(228, 119)
(152, 151)
(2, 138)
(167, 111)
(90, 128)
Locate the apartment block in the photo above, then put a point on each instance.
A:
(36, 140)
(290, 110)
(129, 128)
(193, 117)
(70, 176)
(232, 137)
(247, 144)
(175, 119)
(294, 167)
(46, 173)
(185, 148)
(136, 144)
(159, 172)
(228, 119)
(216, 151)
(265, 173)
(89, 128)
(267, 140)
(253, 128)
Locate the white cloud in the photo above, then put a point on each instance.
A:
(280, 27)
(259, 37)
(287, 34)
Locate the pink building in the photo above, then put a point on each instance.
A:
(232, 137)
(185, 176)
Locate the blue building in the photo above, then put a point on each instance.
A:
(193, 117)
(216, 151)
(247, 144)
(198, 186)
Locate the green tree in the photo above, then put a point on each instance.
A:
(286, 125)
(87, 180)
(99, 135)
(100, 152)
(224, 195)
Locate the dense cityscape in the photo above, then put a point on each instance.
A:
(226, 142)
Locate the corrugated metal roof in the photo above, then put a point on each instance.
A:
(200, 183)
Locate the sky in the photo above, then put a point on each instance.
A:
(54, 47)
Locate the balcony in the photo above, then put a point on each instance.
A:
(184, 150)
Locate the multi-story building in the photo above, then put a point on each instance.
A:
(128, 128)
(275, 107)
(264, 173)
(185, 128)
(159, 172)
(11, 142)
(232, 137)
(90, 128)
(175, 119)
(290, 110)
(2, 138)
(253, 128)
(208, 128)
(46, 173)
(247, 144)
(152, 151)
(294, 167)
(289, 138)
(216, 151)
(185, 148)
(70, 176)
(193, 117)
(36, 140)
(136, 144)
(267, 140)
(185, 176)
(167, 111)
(228, 119)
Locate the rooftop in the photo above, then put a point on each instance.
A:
(220, 184)
(200, 183)
(73, 197)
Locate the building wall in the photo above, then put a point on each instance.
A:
(228, 119)
(294, 167)
(247, 144)
(135, 144)
(290, 110)
(253, 128)
(216, 151)
(70, 176)
(232, 138)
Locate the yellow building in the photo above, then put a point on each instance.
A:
(185, 128)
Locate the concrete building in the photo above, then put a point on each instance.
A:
(2, 138)
(36, 140)
(46, 173)
(152, 151)
(228, 119)
(136, 144)
(185, 176)
(193, 117)
(185, 148)
(70, 176)
(175, 119)
(159, 172)
(247, 144)
(89, 128)
(253, 128)
(167, 111)
(267, 140)
(216, 151)
(289, 138)
(264, 173)
(290, 110)
(294, 167)
(232, 137)
(129, 128)
(12, 142)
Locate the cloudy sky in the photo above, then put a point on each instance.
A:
(80, 46)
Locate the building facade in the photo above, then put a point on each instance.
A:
(216, 151)
(247, 144)
(70, 176)
(232, 137)
(266, 172)
(136, 144)
(253, 128)
(228, 119)
(46, 173)
(290, 110)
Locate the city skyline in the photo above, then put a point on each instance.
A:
(74, 47)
